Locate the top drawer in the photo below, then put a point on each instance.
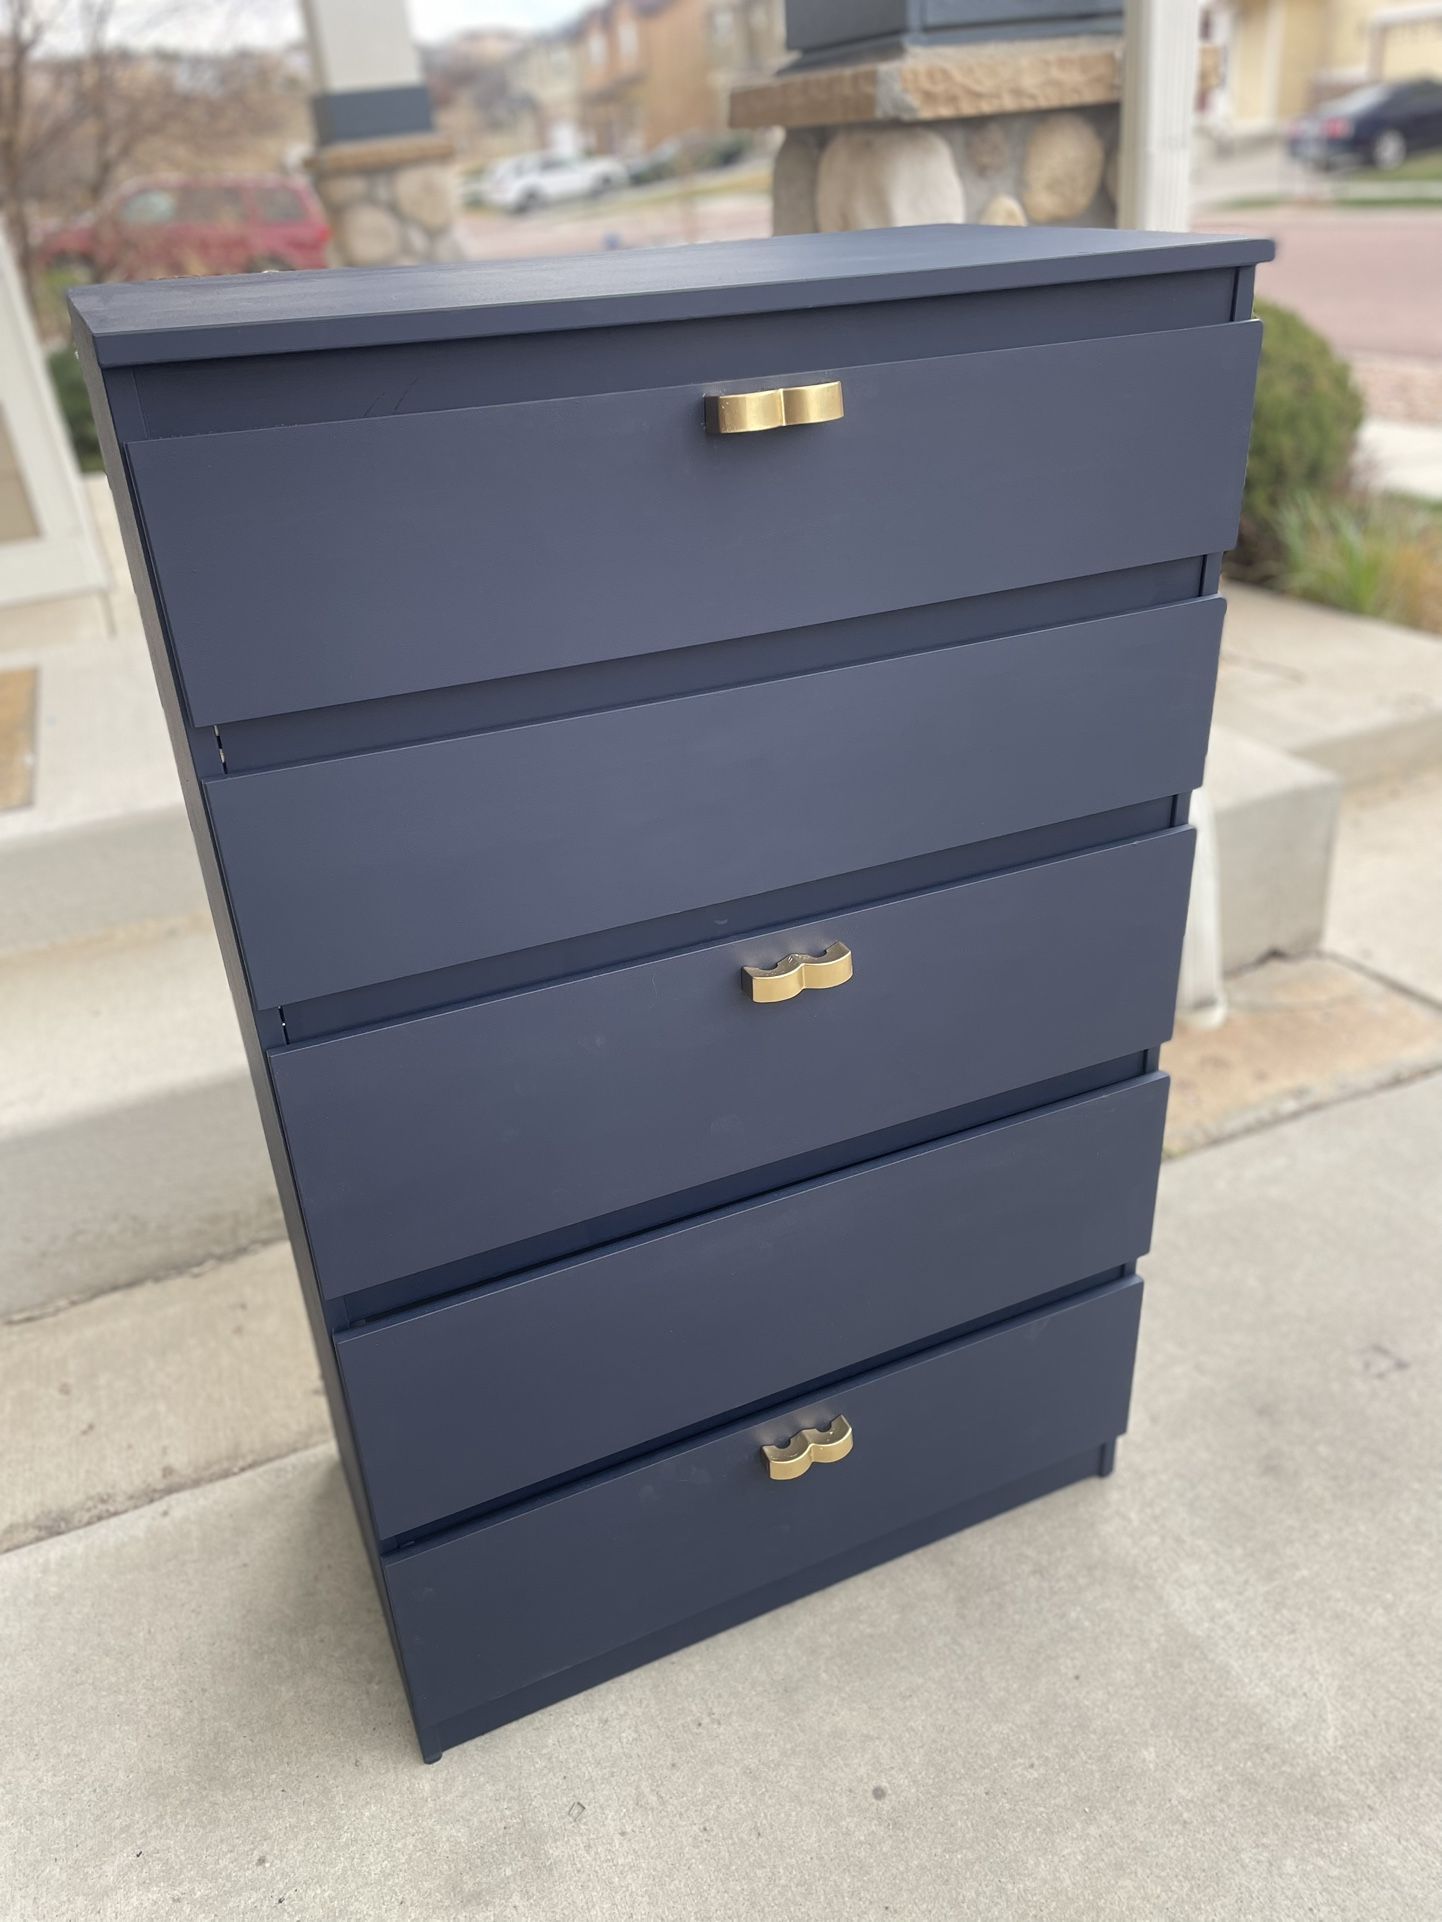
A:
(343, 561)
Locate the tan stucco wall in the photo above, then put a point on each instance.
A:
(1306, 43)
(680, 96)
(1286, 54)
(1410, 48)
(1249, 57)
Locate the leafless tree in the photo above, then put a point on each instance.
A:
(89, 92)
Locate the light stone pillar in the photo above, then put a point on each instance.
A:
(1003, 132)
(383, 173)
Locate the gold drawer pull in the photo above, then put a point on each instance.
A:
(793, 1458)
(787, 978)
(774, 407)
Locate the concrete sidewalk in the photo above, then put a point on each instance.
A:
(1404, 457)
(1206, 1689)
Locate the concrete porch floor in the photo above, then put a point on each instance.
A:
(1207, 1688)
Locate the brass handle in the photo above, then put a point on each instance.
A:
(772, 407)
(793, 973)
(793, 1458)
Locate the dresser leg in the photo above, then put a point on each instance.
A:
(1107, 1457)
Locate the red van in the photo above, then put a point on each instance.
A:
(171, 225)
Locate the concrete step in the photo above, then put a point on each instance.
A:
(1360, 697)
(143, 1392)
(1386, 905)
(1276, 829)
(104, 845)
(129, 1141)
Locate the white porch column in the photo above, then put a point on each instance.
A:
(381, 168)
(1159, 93)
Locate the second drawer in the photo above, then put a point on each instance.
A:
(367, 867)
(469, 1400)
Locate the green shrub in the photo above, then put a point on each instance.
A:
(1303, 434)
(1367, 554)
(69, 385)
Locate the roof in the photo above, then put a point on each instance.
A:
(133, 324)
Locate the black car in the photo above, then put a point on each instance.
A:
(1376, 126)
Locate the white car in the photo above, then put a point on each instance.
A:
(538, 179)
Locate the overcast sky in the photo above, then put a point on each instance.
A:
(229, 23)
(433, 19)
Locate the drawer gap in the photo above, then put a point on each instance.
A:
(357, 1009)
(426, 375)
(437, 1284)
(598, 1471)
(404, 720)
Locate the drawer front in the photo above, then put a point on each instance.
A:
(601, 1564)
(476, 1398)
(442, 1137)
(375, 866)
(476, 542)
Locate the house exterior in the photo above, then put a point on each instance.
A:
(657, 70)
(545, 78)
(1284, 56)
(697, 51)
(613, 78)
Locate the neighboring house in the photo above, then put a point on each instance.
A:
(652, 71)
(1283, 57)
(1407, 41)
(545, 77)
(696, 51)
(613, 82)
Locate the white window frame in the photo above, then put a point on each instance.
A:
(65, 556)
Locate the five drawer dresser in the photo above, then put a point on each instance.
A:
(690, 753)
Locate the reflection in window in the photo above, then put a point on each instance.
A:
(151, 207)
(204, 206)
(278, 205)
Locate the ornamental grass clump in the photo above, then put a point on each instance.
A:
(1304, 433)
(1367, 554)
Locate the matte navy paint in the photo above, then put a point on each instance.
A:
(579, 1225)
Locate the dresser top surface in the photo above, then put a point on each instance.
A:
(134, 324)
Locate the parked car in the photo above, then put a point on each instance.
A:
(1377, 126)
(206, 224)
(526, 181)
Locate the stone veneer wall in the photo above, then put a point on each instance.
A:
(390, 201)
(1007, 133)
(1006, 170)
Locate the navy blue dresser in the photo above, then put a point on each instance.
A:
(690, 754)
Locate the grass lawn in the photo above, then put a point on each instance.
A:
(1416, 183)
(1422, 166)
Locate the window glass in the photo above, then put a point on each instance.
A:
(278, 204)
(1362, 101)
(212, 206)
(151, 207)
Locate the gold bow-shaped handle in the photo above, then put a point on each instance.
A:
(794, 973)
(773, 407)
(793, 1458)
